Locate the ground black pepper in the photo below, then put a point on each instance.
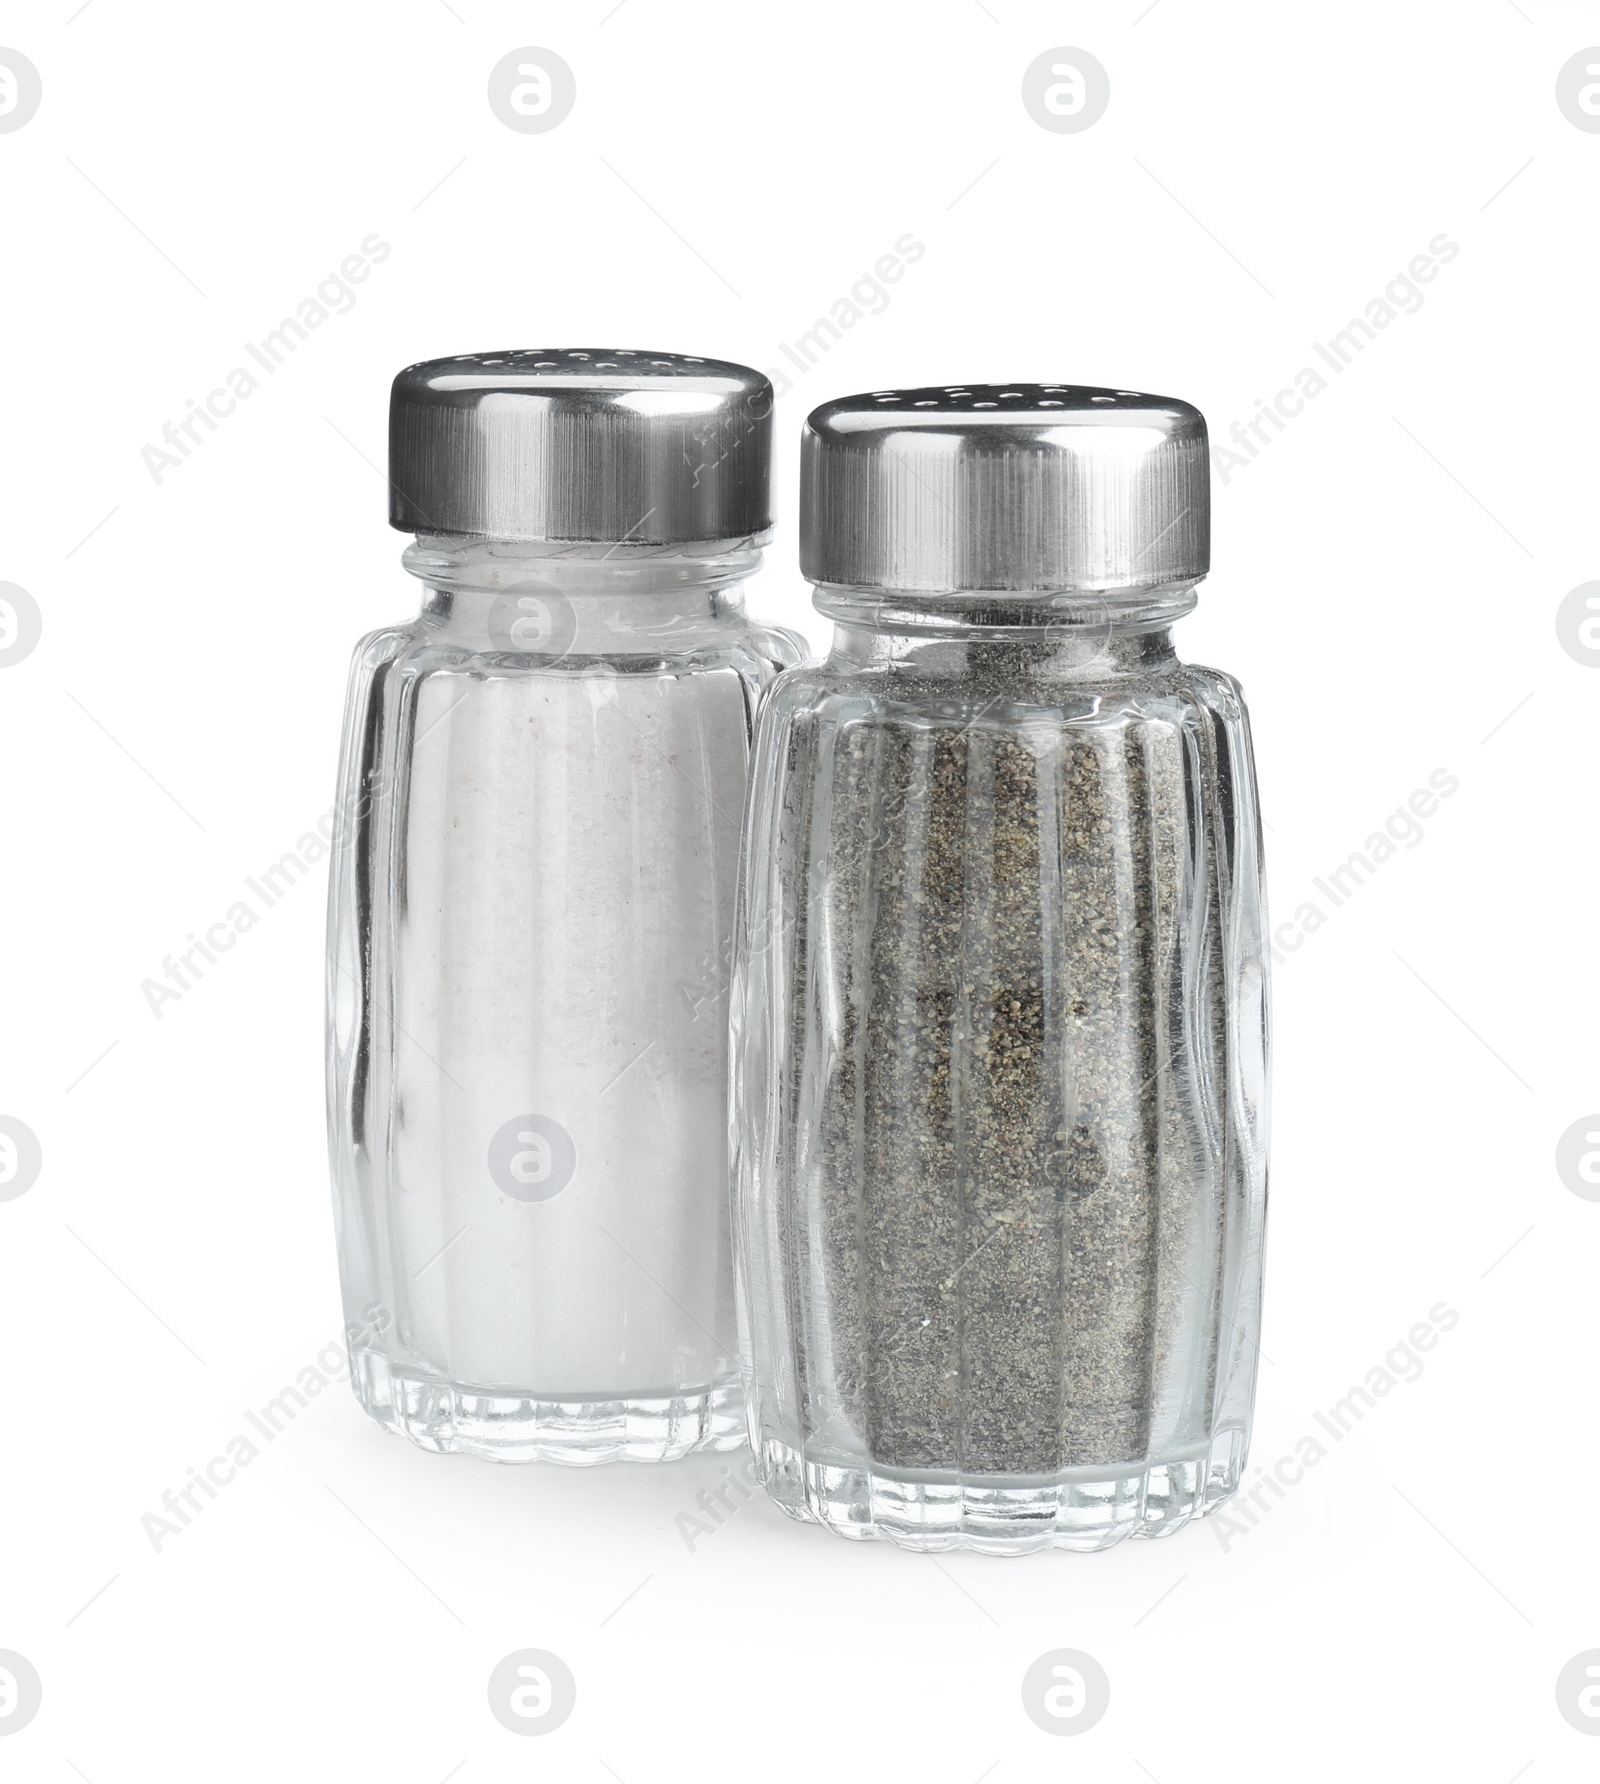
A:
(1005, 1194)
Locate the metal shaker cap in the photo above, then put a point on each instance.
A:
(1005, 487)
(581, 444)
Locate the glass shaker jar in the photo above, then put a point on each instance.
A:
(1000, 998)
(532, 905)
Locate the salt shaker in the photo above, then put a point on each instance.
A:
(1000, 989)
(532, 903)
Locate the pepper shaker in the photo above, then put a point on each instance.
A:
(531, 908)
(1000, 989)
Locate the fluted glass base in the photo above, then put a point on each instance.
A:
(448, 1419)
(1083, 1509)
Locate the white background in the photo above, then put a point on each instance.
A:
(1386, 578)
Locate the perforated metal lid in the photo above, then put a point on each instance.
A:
(583, 444)
(1005, 487)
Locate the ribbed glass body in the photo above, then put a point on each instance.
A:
(530, 928)
(1000, 1057)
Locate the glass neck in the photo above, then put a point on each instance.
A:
(1058, 633)
(520, 595)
